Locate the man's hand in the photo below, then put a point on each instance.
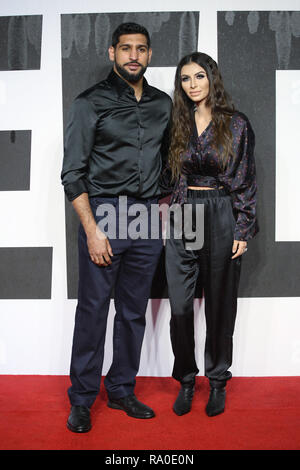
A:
(238, 248)
(99, 248)
(98, 245)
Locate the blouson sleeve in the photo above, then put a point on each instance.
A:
(166, 184)
(79, 141)
(240, 180)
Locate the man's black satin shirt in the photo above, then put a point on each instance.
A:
(114, 144)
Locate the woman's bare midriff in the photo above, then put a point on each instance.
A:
(197, 188)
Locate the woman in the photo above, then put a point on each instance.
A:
(212, 163)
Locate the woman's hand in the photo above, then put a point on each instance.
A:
(238, 248)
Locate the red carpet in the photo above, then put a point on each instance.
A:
(261, 414)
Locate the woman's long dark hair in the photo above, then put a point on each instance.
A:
(183, 112)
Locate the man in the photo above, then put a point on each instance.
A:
(115, 142)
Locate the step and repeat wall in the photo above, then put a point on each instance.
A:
(49, 53)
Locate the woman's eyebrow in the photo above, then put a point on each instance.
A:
(197, 73)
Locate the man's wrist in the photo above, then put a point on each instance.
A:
(95, 233)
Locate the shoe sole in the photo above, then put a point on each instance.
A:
(78, 430)
(211, 415)
(180, 413)
(114, 406)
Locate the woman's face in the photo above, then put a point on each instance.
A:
(194, 82)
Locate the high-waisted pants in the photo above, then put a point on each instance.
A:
(219, 275)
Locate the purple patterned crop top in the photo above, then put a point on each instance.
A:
(201, 167)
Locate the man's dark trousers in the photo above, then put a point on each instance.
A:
(130, 277)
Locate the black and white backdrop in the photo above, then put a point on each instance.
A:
(49, 53)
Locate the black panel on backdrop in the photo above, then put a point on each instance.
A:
(85, 42)
(25, 273)
(251, 47)
(15, 160)
(20, 42)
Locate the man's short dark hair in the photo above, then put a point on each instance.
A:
(129, 28)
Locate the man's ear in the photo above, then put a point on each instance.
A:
(150, 55)
(111, 53)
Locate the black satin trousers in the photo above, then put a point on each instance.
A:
(218, 275)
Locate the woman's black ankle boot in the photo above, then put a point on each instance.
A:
(184, 399)
(216, 402)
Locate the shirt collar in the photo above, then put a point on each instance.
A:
(121, 86)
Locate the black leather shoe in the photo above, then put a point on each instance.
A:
(216, 402)
(132, 406)
(184, 399)
(79, 419)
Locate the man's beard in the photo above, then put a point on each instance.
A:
(130, 77)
